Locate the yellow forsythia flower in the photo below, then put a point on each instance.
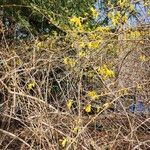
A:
(114, 21)
(131, 8)
(69, 61)
(94, 12)
(106, 105)
(18, 62)
(134, 34)
(81, 54)
(142, 58)
(82, 45)
(115, 17)
(102, 29)
(76, 21)
(123, 91)
(92, 95)
(105, 72)
(76, 129)
(141, 42)
(124, 18)
(90, 74)
(69, 103)
(63, 142)
(93, 45)
(139, 87)
(39, 44)
(148, 12)
(88, 108)
(122, 3)
(118, 15)
(146, 4)
(98, 108)
(30, 85)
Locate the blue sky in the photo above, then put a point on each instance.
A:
(143, 18)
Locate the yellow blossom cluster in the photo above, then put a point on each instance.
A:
(90, 45)
(31, 85)
(69, 103)
(88, 108)
(93, 45)
(117, 18)
(92, 95)
(122, 3)
(82, 44)
(133, 35)
(143, 58)
(90, 74)
(105, 72)
(39, 44)
(81, 54)
(122, 91)
(94, 12)
(77, 127)
(76, 22)
(103, 29)
(106, 105)
(148, 12)
(63, 142)
(69, 61)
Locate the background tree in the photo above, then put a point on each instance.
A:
(45, 17)
(40, 16)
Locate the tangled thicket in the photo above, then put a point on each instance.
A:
(73, 91)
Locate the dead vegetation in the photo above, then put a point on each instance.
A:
(36, 83)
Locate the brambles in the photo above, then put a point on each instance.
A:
(72, 92)
(86, 89)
